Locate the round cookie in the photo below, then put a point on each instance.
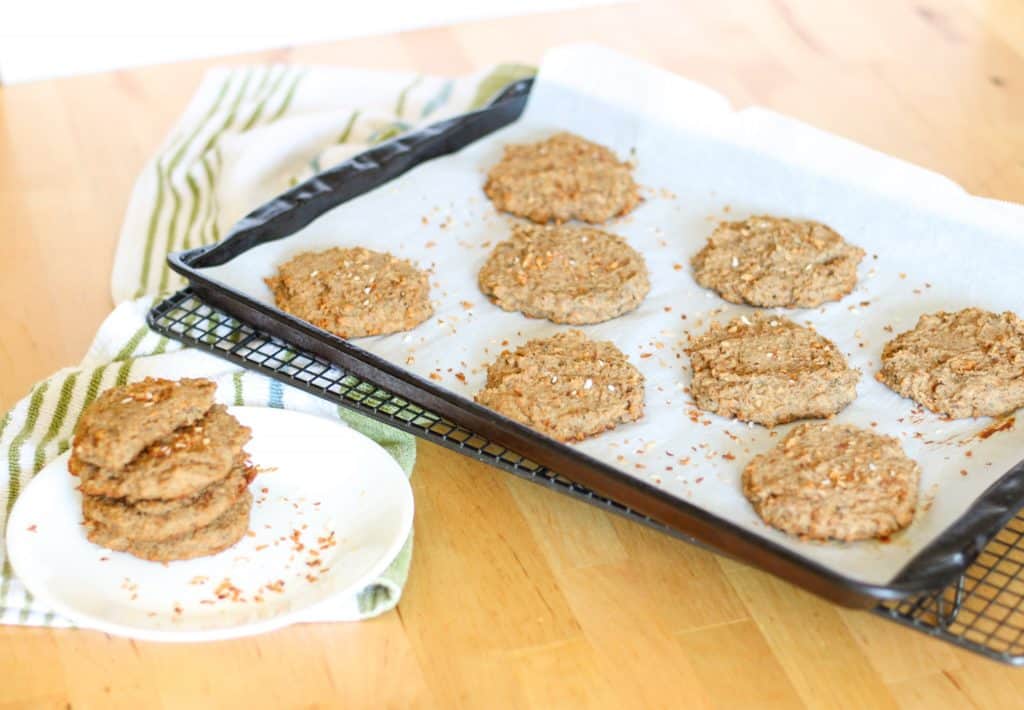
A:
(216, 537)
(770, 261)
(160, 519)
(964, 364)
(124, 420)
(353, 292)
(834, 481)
(769, 370)
(565, 274)
(567, 386)
(564, 177)
(180, 465)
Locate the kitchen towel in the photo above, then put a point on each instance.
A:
(307, 119)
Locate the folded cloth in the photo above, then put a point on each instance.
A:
(248, 134)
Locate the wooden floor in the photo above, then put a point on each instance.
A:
(518, 597)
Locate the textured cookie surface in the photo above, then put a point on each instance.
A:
(565, 274)
(125, 420)
(831, 481)
(564, 177)
(769, 261)
(769, 370)
(179, 465)
(353, 292)
(567, 386)
(216, 537)
(964, 364)
(160, 519)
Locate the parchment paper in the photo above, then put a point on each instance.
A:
(930, 246)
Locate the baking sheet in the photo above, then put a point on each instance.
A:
(930, 246)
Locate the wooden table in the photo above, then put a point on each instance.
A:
(518, 596)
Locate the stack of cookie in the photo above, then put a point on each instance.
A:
(163, 472)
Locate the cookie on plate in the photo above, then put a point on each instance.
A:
(565, 274)
(178, 465)
(353, 292)
(210, 539)
(770, 261)
(159, 519)
(562, 178)
(769, 370)
(964, 364)
(834, 481)
(566, 386)
(125, 420)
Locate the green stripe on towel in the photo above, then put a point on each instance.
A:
(161, 186)
(67, 389)
(502, 76)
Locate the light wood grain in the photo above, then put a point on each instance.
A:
(518, 597)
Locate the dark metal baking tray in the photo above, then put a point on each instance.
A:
(935, 567)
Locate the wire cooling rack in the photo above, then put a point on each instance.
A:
(983, 611)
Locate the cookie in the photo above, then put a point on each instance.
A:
(179, 465)
(125, 420)
(564, 177)
(565, 274)
(769, 370)
(160, 519)
(216, 537)
(567, 386)
(834, 481)
(964, 364)
(353, 292)
(769, 261)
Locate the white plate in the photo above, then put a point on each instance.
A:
(322, 479)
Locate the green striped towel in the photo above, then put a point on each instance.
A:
(248, 134)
